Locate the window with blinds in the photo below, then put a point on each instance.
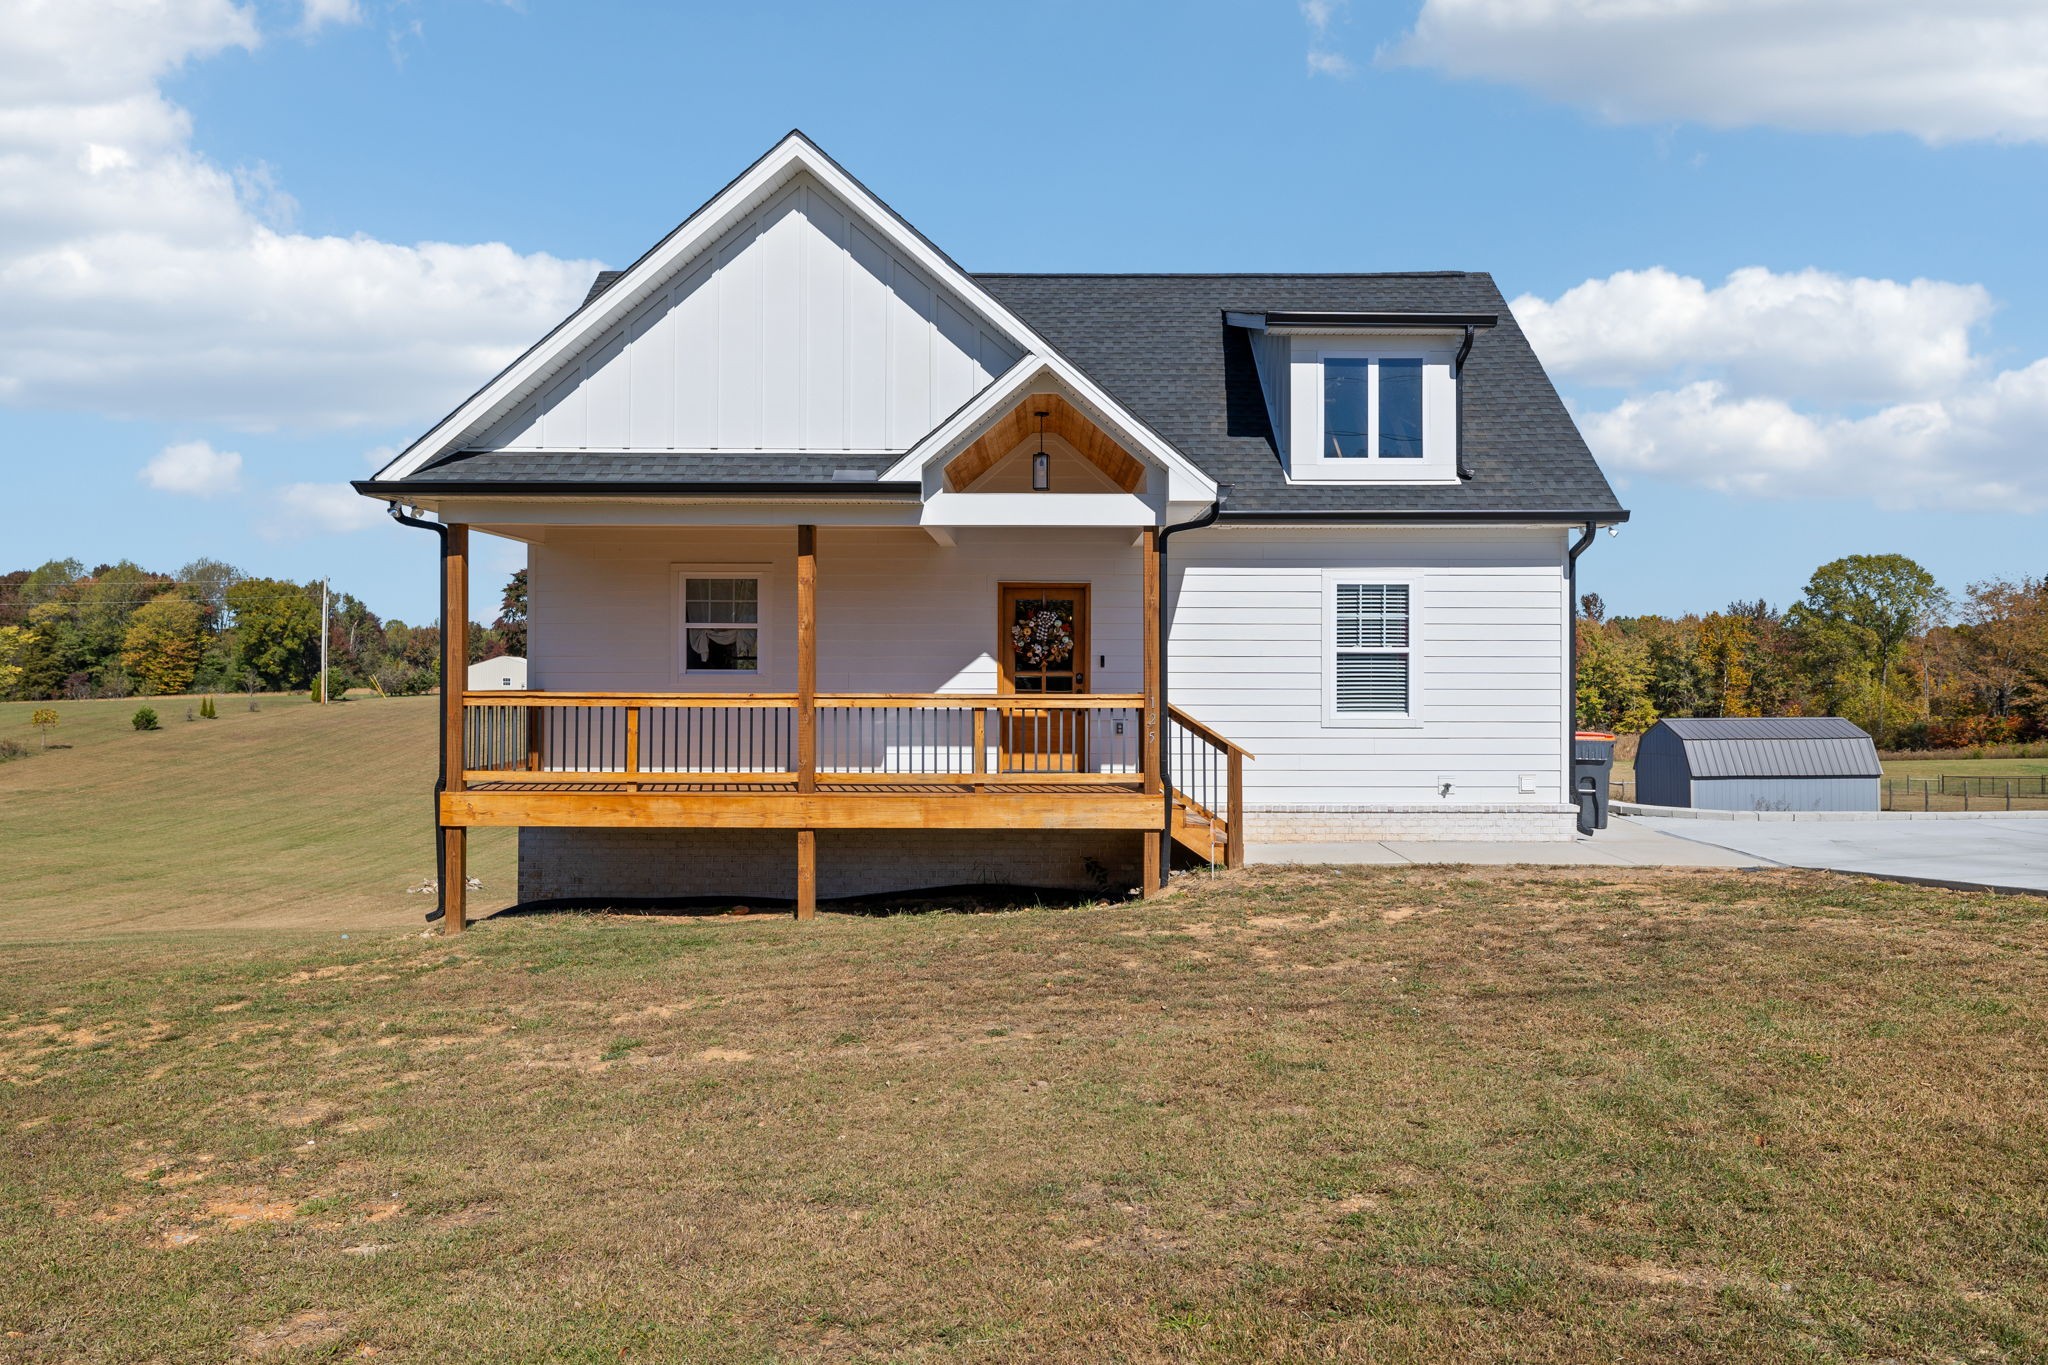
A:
(1372, 648)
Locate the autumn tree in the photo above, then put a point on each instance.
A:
(277, 630)
(1614, 680)
(1722, 645)
(1859, 612)
(161, 648)
(510, 627)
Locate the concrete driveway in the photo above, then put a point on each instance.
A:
(1624, 843)
(2005, 855)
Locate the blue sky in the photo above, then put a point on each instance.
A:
(211, 249)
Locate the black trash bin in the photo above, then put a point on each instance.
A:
(1592, 767)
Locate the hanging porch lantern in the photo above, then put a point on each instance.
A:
(1041, 463)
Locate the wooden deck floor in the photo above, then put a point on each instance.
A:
(894, 804)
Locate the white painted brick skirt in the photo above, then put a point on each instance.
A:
(640, 864)
(1533, 823)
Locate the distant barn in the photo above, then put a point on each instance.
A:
(1758, 763)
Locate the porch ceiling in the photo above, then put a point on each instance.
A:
(1062, 419)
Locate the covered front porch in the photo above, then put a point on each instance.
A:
(1002, 736)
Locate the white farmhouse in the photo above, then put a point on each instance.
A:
(853, 572)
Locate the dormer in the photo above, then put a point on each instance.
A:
(1359, 398)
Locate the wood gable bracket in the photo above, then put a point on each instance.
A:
(1062, 419)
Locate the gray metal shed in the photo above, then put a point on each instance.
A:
(1758, 763)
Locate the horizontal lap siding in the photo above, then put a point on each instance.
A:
(896, 611)
(1250, 648)
(899, 613)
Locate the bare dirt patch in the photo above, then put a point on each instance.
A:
(302, 1331)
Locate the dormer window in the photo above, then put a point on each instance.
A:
(1371, 409)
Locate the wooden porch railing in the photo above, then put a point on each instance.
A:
(1207, 772)
(621, 738)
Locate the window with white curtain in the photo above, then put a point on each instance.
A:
(1371, 649)
(721, 625)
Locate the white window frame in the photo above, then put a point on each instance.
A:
(1306, 461)
(1411, 719)
(764, 584)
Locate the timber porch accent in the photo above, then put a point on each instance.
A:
(806, 761)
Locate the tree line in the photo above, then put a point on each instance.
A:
(121, 630)
(1873, 638)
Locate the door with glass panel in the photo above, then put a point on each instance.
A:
(1042, 648)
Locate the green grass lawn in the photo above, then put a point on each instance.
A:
(1387, 1114)
(291, 815)
(1400, 1114)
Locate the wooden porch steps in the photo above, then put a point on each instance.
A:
(1199, 831)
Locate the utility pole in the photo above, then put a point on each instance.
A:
(323, 642)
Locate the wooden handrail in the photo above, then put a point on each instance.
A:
(1195, 727)
(509, 697)
(1056, 701)
(1035, 701)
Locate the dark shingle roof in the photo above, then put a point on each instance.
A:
(605, 280)
(1159, 345)
(601, 468)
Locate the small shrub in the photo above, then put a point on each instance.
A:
(207, 710)
(12, 748)
(145, 719)
(255, 705)
(45, 720)
(191, 714)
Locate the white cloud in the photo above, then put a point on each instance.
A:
(1940, 70)
(139, 279)
(322, 509)
(1322, 59)
(1801, 384)
(195, 468)
(1819, 335)
(319, 13)
(1975, 450)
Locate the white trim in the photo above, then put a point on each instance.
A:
(1411, 719)
(1038, 509)
(1307, 379)
(793, 154)
(679, 653)
(924, 460)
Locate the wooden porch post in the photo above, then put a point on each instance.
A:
(454, 869)
(1153, 740)
(806, 712)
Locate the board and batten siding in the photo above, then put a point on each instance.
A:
(1250, 648)
(799, 331)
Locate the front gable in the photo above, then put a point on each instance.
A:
(802, 328)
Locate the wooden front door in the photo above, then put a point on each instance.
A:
(1042, 643)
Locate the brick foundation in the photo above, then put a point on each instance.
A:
(1339, 824)
(591, 864)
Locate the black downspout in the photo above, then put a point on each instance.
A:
(1458, 392)
(1207, 518)
(441, 768)
(1571, 623)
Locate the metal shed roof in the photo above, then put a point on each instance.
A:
(1775, 746)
